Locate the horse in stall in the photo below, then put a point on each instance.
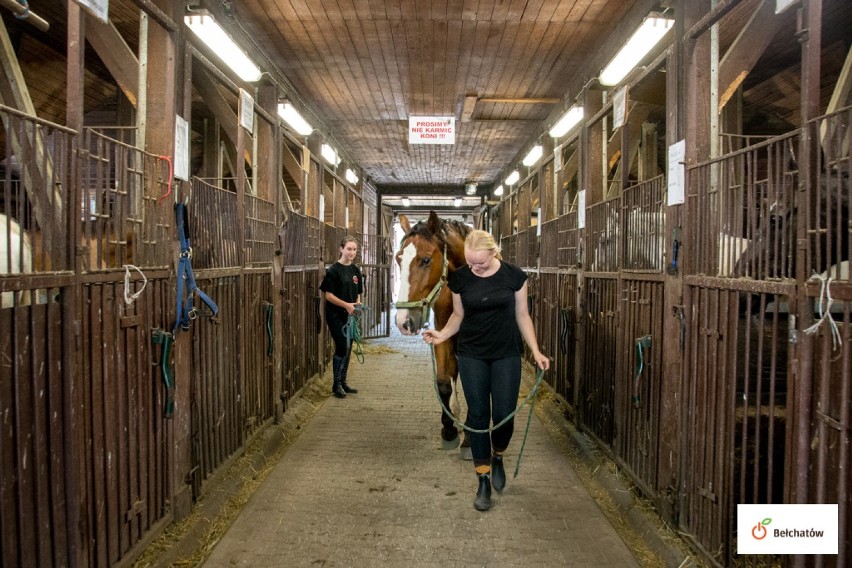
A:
(429, 252)
(16, 257)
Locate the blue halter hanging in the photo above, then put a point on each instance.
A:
(186, 312)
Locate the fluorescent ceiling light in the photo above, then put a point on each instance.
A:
(533, 156)
(499, 190)
(567, 122)
(330, 154)
(470, 189)
(406, 202)
(457, 201)
(640, 43)
(513, 177)
(351, 177)
(208, 31)
(292, 117)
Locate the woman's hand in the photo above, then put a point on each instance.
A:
(433, 337)
(350, 308)
(542, 360)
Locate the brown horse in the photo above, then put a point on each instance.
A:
(429, 252)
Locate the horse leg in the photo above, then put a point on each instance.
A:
(449, 432)
(445, 361)
(465, 452)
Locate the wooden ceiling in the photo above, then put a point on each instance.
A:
(364, 66)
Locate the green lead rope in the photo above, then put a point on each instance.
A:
(268, 311)
(539, 376)
(352, 332)
(642, 343)
(164, 338)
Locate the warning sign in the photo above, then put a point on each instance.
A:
(431, 130)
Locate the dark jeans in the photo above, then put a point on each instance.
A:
(335, 328)
(491, 389)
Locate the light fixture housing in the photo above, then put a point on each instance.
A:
(640, 43)
(533, 156)
(351, 177)
(568, 121)
(330, 155)
(211, 33)
(470, 188)
(498, 191)
(292, 117)
(457, 202)
(406, 202)
(513, 178)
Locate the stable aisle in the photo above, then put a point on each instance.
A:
(367, 484)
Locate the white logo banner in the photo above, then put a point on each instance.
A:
(787, 529)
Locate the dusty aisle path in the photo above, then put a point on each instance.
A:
(366, 484)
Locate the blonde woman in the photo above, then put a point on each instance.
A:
(492, 320)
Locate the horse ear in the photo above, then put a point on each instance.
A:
(404, 223)
(433, 223)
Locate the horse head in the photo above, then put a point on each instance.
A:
(422, 264)
(429, 251)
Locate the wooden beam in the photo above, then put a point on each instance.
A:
(467, 108)
(744, 53)
(711, 18)
(529, 101)
(843, 87)
(22, 12)
(116, 55)
(157, 15)
(293, 166)
(36, 163)
(839, 99)
(218, 105)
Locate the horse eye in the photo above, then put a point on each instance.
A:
(426, 261)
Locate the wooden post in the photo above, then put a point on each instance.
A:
(159, 120)
(77, 530)
(800, 429)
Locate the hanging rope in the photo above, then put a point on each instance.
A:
(268, 310)
(166, 339)
(168, 192)
(533, 395)
(825, 300)
(566, 329)
(128, 297)
(672, 268)
(642, 343)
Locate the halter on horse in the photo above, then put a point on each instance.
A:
(430, 250)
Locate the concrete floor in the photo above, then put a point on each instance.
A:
(365, 482)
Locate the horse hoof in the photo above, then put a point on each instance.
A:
(449, 444)
(466, 453)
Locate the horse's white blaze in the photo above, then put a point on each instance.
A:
(408, 254)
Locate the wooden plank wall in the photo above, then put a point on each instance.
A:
(89, 465)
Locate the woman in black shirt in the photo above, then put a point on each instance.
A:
(342, 286)
(492, 320)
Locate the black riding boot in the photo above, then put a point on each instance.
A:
(337, 388)
(498, 474)
(483, 494)
(344, 369)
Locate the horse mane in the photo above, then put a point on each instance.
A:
(450, 235)
(447, 227)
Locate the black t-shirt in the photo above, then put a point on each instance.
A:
(345, 282)
(489, 329)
